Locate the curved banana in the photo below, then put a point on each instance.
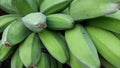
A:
(107, 44)
(59, 21)
(14, 33)
(82, 47)
(16, 61)
(33, 45)
(55, 44)
(52, 6)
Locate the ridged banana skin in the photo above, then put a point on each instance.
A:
(106, 64)
(59, 21)
(32, 56)
(79, 9)
(14, 33)
(44, 61)
(52, 6)
(82, 47)
(24, 7)
(6, 5)
(5, 20)
(57, 49)
(74, 63)
(16, 61)
(107, 44)
(110, 24)
(5, 52)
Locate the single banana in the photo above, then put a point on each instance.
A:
(5, 20)
(82, 47)
(6, 5)
(79, 9)
(107, 23)
(35, 21)
(107, 44)
(14, 33)
(59, 21)
(52, 6)
(33, 45)
(106, 64)
(57, 49)
(16, 61)
(24, 7)
(5, 52)
(44, 61)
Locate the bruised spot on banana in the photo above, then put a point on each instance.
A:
(14, 33)
(59, 21)
(79, 9)
(82, 47)
(57, 49)
(35, 21)
(52, 6)
(107, 44)
(32, 55)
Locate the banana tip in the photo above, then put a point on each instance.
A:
(7, 44)
(42, 25)
(31, 66)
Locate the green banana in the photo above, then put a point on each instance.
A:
(59, 21)
(107, 44)
(59, 65)
(38, 2)
(52, 6)
(33, 45)
(24, 7)
(5, 52)
(16, 61)
(57, 49)
(79, 9)
(107, 23)
(106, 64)
(14, 33)
(53, 62)
(35, 21)
(74, 63)
(6, 5)
(82, 47)
(5, 20)
(117, 35)
(44, 61)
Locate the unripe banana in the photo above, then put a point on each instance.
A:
(107, 23)
(44, 61)
(57, 49)
(6, 5)
(16, 61)
(107, 44)
(52, 6)
(82, 47)
(59, 21)
(24, 7)
(38, 2)
(106, 64)
(79, 9)
(5, 20)
(117, 35)
(5, 52)
(35, 21)
(53, 62)
(33, 45)
(14, 33)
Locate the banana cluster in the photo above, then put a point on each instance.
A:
(51, 33)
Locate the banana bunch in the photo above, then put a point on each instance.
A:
(53, 33)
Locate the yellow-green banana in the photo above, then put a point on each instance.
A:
(44, 61)
(16, 61)
(5, 20)
(14, 33)
(52, 6)
(30, 50)
(107, 44)
(86, 9)
(82, 47)
(59, 21)
(55, 44)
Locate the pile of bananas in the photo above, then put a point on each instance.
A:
(50, 33)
